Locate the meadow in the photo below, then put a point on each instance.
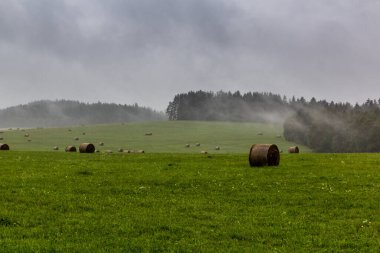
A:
(167, 137)
(71, 202)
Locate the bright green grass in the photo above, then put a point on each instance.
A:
(168, 136)
(61, 202)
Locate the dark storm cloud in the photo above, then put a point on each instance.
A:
(145, 51)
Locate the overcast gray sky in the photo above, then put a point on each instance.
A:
(146, 51)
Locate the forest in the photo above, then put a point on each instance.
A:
(46, 113)
(321, 125)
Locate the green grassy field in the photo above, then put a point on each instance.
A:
(167, 137)
(71, 202)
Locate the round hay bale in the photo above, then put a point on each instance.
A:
(217, 148)
(101, 143)
(70, 149)
(4, 146)
(204, 152)
(140, 151)
(197, 144)
(83, 133)
(120, 150)
(148, 134)
(29, 140)
(187, 145)
(76, 139)
(1, 138)
(264, 154)
(86, 148)
(294, 150)
(55, 148)
(26, 135)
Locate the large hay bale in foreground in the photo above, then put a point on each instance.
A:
(70, 149)
(264, 154)
(4, 146)
(294, 150)
(87, 148)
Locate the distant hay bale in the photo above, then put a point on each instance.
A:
(293, 150)
(264, 154)
(4, 146)
(197, 144)
(108, 151)
(83, 133)
(187, 145)
(76, 138)
(204, 152)
(69, 130)
(120, 150)
(217, 148)
(29, 140)
(55, 148)
(86, 148)
(101, 143)
(70, 149)
(140, 151)
(126, 151)
(148, 134)
(1, 138)
(26, 135)
(260, 133)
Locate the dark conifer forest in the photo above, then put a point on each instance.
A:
(321, 125)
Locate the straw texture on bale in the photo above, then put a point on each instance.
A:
(264, 154)
(71, 149)
(294, 150)
(86, 148)
(4, 146)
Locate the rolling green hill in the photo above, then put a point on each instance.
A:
(166, 136)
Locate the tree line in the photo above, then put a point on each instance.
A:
(46, 113)
(321, 125)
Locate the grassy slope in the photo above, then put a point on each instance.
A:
(167, 137)
(188, 202)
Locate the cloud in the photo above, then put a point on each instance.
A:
(146, 51)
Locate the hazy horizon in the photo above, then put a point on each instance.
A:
(147, 51)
